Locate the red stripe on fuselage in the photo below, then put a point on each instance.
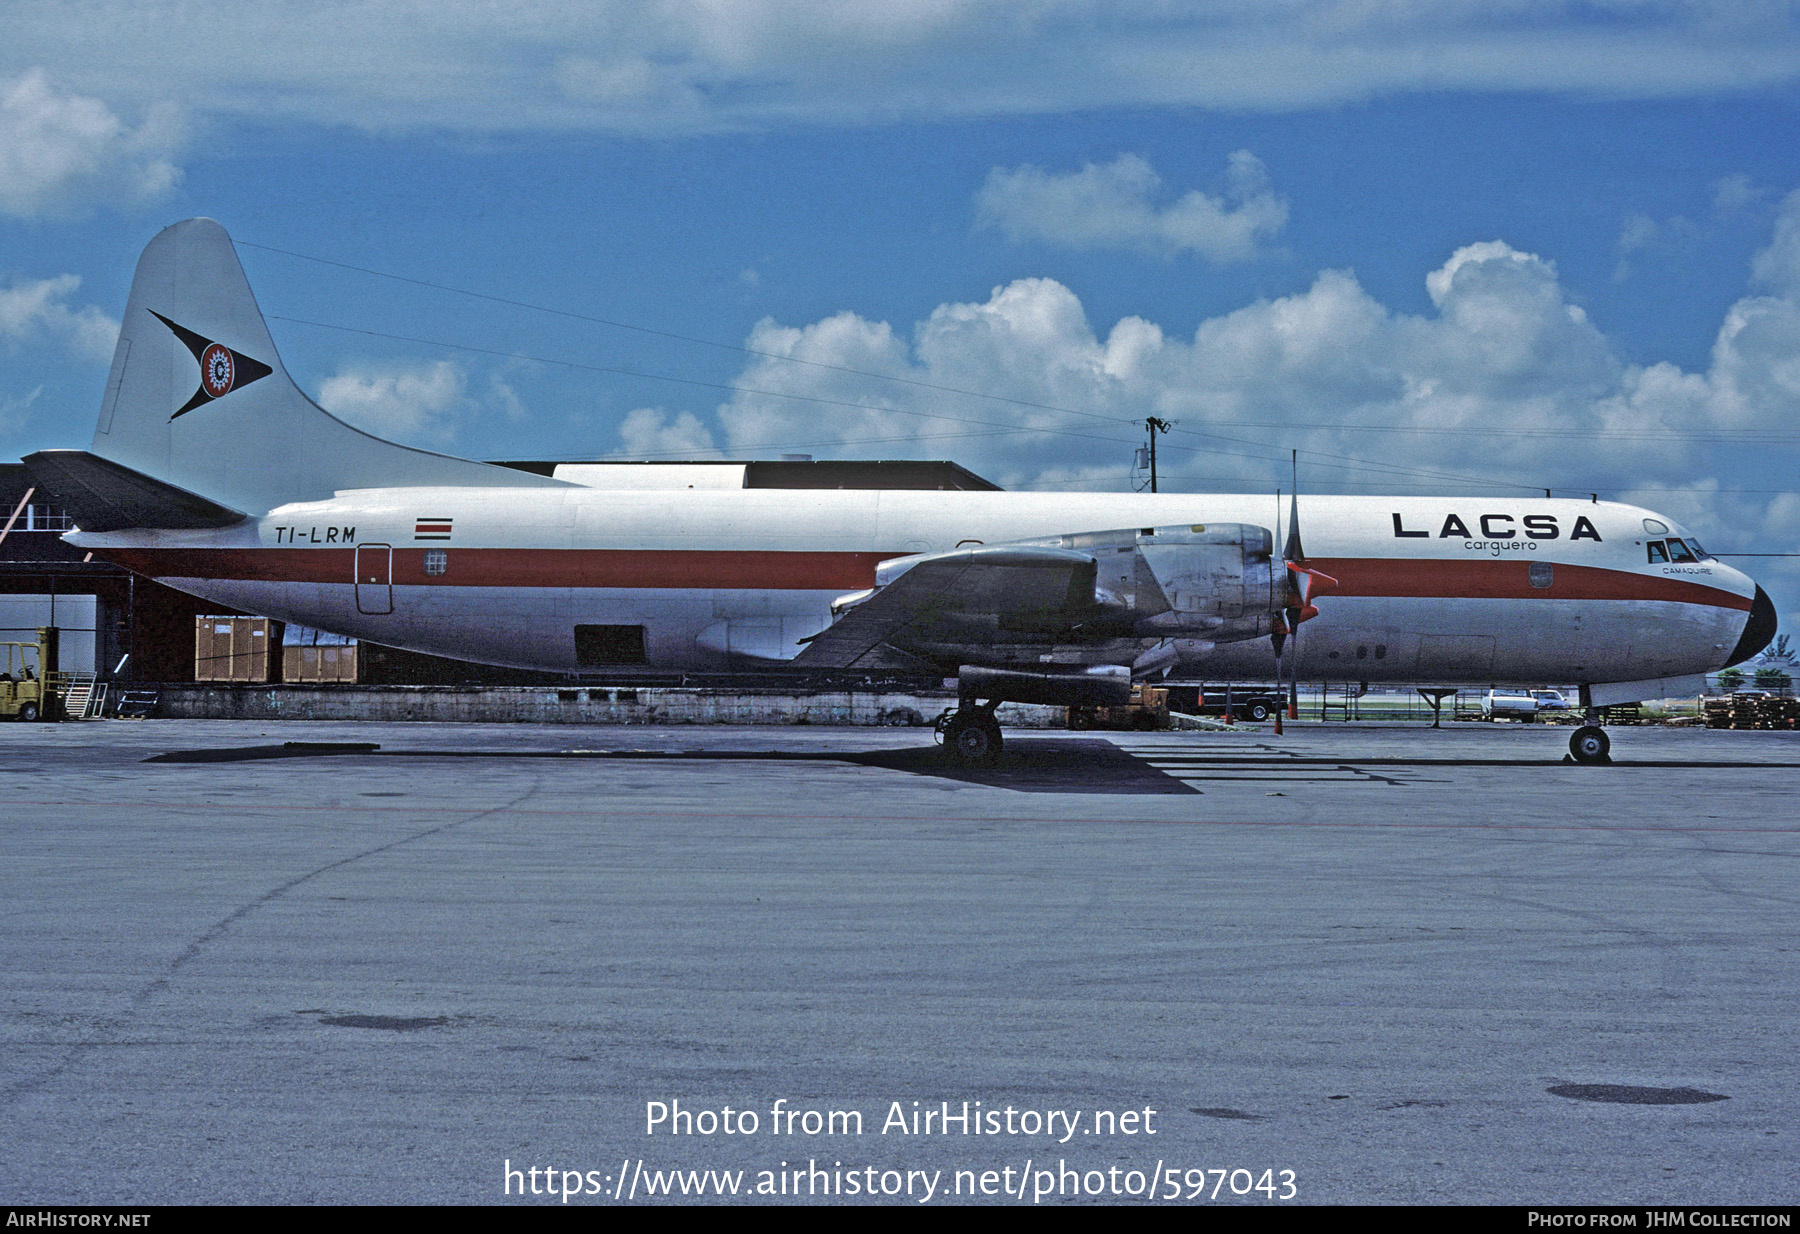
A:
(525, 567)
(1387, 577)
(1487, 579)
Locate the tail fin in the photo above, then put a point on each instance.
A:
(198, 398)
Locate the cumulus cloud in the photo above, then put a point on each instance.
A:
(693, 65)
(1777, 267)
(1638, 232)
(16, 408)
(649, 433)
(37, 311)
(1505, 379)
(406, 402)
(62, 152)
(501, 393)
(1112, 205)
(1733, 194)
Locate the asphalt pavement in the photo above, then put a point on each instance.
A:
(1355, 963)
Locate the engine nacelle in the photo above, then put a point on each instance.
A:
(1220, 582)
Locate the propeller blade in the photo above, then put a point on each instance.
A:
(1293, 550)
(1300, 594)
(1293, 691)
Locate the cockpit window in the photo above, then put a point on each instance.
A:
(1678, 551)
(1658, 553)
(1699, 552)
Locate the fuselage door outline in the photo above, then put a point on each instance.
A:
(375, 579)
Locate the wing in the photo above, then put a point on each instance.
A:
(940, 596)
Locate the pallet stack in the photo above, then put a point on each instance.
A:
(1777, 713)
(1753, 711)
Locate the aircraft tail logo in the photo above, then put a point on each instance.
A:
(279, 446)
(222, 370)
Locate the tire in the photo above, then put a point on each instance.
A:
(1258, 711)
(1590, 744)
(1080, 719)
(974, 742)
(28, 712)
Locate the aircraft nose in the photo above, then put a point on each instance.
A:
(1759, 629)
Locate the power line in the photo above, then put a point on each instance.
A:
(682, 381)
(1746, 435)
(669, 334)
(1334, 462)
(1345, 462)
(686, 338)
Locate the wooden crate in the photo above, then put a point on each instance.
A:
(318, 664)
(231, 649)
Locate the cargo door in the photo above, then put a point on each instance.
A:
(374, 578)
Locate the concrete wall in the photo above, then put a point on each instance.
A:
(570, 705)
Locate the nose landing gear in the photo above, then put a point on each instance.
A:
(1590, 744)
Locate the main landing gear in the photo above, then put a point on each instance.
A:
(1590, 744)
(971, 734)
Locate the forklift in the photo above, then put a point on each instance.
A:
(24, 672)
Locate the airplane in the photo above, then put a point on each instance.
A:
(212, 473)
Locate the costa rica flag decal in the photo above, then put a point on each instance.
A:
(222, 370)
(431, 529)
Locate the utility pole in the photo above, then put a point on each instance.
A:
(1153, 425)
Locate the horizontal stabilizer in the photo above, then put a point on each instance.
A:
(102, 495)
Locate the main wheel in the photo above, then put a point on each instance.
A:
(1590, 744)
(28, 712)
(974, 740)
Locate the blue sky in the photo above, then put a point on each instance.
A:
(1436, 247)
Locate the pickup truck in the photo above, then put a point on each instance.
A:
(1255, 703)
(1522, 704)
(1510, 705)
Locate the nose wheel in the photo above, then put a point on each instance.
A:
(1590, 744)
(971, 735)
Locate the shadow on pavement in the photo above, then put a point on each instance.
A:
(1042, 765)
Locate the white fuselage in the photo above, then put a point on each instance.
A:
(1460, 590)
